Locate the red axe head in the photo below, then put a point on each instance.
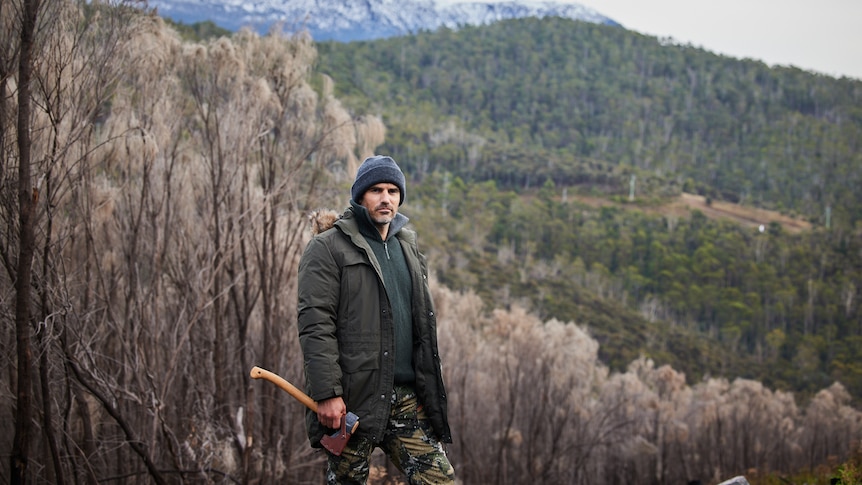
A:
(336, 441)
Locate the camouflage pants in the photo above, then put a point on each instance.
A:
(408, 442)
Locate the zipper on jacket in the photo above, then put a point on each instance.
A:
(386, 248)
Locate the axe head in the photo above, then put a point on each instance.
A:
(336, 441)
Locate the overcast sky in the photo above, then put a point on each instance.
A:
(816, 35)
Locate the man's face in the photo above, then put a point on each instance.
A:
(382, 200)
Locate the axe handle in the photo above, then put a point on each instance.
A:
(259, 373)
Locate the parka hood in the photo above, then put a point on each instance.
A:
(322, 219)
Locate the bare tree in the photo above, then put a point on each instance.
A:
(127, 293)
(556, 415)
(20, 456)
(67, 86)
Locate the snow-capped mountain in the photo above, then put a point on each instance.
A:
(346, 20)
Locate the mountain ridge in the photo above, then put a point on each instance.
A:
(365, 19)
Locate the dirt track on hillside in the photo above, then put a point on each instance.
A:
(683, 205)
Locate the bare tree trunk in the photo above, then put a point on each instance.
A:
(88, 445)
(26, 199)
(48, 414)
(133, 440)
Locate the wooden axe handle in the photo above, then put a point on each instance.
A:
(259, 373)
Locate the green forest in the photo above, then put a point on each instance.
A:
(580, 103)
(501, 127)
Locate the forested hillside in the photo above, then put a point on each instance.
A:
(504, 126)
(536, 99)
(155, 193)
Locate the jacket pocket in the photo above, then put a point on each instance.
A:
(359, 311)
(355, 359)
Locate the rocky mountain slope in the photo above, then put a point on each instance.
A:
(364, 19)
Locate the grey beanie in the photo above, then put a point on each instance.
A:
(375, 170)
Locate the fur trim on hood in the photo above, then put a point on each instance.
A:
(322, 219)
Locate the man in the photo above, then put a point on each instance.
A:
(369, 335)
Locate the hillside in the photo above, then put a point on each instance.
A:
(528, 100)
(523, 138)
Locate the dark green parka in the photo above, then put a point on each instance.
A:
(346, 329)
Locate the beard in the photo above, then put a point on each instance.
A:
(382, 219)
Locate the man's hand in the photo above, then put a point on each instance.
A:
(330, 412)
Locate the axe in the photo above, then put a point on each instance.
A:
(334, 442)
